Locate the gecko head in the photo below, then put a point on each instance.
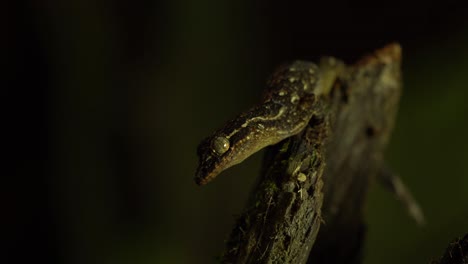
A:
(229, 146)
(213, 153)
(284, 111)
(220, 152)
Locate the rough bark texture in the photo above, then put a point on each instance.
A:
(318, 180)
(456, 252)
(355, 153)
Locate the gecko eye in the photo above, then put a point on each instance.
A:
(220, 145)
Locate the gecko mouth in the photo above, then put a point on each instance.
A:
(204, 176)
(211, 167)
(200, 177)
(207, 169)
(201, 181)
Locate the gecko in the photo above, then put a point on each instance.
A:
(285, 109)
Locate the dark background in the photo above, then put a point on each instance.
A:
(105, 102)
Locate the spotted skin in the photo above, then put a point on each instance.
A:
(285, 110)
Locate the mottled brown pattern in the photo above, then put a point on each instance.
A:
(286, 108)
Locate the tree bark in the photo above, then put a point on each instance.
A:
(456, 252)
(318, 180)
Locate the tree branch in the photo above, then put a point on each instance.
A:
(319, 179)
(456, 252)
